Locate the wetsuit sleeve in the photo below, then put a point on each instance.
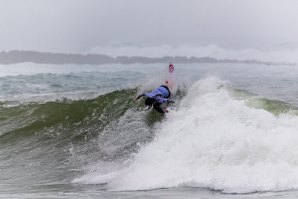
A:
(151, 94)
(161, 100)
(165, 100)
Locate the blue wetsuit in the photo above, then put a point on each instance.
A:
(157, 97)
(161, 94)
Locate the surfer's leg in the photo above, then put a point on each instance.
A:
(157, 107)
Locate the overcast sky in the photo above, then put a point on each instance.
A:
(82, 25)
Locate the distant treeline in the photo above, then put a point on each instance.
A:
(17, 56)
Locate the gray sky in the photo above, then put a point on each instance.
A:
(81, 25)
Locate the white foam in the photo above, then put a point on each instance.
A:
(217, 142)
(98, 174)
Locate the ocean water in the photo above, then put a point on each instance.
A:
(75, 131)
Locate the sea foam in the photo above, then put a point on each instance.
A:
(218, 142)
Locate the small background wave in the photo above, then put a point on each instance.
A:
(45, 87)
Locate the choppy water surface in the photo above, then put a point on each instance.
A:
(76, 132)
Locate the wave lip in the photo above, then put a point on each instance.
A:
(217, 142)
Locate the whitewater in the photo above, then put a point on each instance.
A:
(75, 131)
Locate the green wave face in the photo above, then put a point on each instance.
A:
(39, 139)
(64, 119)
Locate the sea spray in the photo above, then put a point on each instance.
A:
(218, 142)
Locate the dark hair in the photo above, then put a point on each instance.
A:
(149, 101)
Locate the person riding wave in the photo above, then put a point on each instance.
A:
(157, 97)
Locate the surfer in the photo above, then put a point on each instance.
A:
(157, 97)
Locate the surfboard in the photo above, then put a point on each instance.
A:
(170, 80)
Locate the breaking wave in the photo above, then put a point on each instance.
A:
(217, 138)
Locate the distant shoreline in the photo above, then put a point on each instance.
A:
(18, 56)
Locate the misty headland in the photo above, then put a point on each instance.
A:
(18, 56)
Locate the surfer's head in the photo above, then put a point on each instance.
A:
(149, 101)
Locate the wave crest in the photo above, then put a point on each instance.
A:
(218, 142)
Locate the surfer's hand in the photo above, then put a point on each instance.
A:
(170, 101)
(139, 97)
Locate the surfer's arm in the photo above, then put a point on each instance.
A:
(166, 100)
(162, 100)
(140, 96)
(170, 101)
(151, 95)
